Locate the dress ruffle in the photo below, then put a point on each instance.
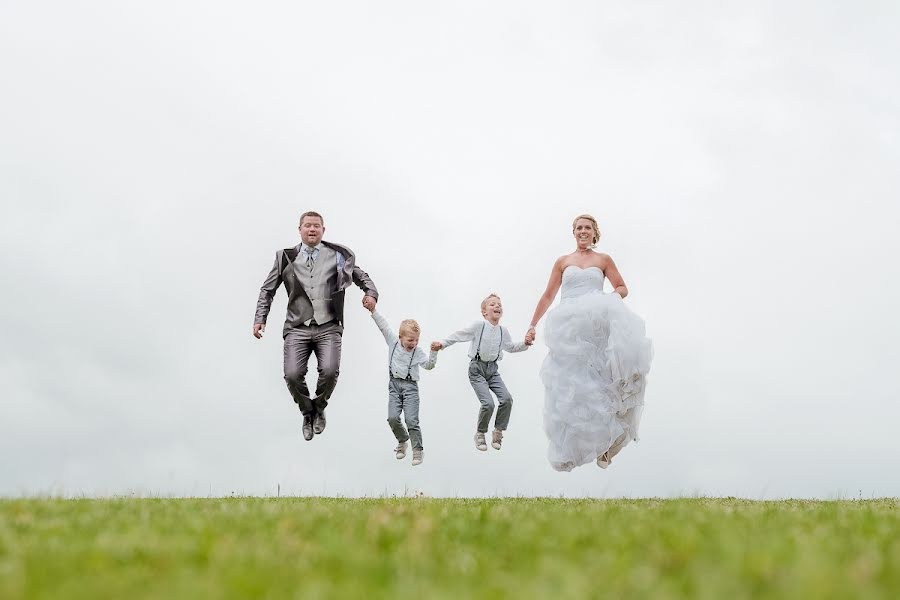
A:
(594, 375)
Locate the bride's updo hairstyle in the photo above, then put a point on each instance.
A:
(593, 224)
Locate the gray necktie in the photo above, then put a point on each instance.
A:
(310, 261)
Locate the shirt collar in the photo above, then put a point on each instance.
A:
(309, 249)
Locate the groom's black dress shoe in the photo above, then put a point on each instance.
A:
(319, 423)
(307, 427)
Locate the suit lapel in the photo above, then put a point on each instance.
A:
(289, 276)
(345, 275)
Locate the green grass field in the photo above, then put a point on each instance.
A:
(431, 548)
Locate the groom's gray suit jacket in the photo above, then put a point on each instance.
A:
(299, 308)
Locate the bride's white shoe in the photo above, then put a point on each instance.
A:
(604, 460)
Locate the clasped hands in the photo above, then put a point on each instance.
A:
(529, 340)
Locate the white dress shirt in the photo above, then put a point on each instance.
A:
(402, 362)
(486, 340)
(314, 251)
(306, 251)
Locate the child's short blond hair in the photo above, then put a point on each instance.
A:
(485, 301)
(409, 326)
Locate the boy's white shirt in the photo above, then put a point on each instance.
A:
(401, 355)
(490, 341)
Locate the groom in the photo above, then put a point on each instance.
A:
(315, 275)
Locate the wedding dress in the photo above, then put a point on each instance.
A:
(595, 372)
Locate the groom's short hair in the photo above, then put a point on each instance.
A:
(312, 213)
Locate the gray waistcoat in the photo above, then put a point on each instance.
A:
(319, 282)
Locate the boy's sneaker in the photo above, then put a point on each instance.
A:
(496, 439)
(479, 441)
(417, 457)
(400, 450)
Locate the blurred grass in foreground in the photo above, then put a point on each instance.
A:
(434, 548)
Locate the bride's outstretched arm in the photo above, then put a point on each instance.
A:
(549, 294)
(615, 278)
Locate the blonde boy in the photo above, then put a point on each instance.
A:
(404, 360)
(489, 340)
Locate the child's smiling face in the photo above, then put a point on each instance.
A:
(492, 309)
(409, 340)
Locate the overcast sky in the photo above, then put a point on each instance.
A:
(741, 159)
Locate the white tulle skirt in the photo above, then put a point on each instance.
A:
(594, 378)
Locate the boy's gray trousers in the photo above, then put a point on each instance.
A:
(485, 378)
(403, 397)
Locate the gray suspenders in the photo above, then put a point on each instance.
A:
(408, 368)
(478, 347)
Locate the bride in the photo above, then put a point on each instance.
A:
(596, 369)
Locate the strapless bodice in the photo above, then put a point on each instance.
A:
(578, 282)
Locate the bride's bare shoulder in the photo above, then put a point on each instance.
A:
(563, 261)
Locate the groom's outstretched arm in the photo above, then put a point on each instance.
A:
(365, 283)
(266, 293)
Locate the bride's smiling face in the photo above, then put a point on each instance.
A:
(584, 233)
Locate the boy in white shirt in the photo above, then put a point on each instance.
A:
(405, 358)
(489, 340)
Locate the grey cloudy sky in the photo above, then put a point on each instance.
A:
(742, 160)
